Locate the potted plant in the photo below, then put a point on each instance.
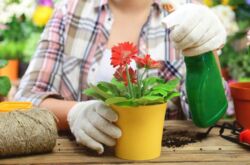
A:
(19, 33)
(241, 90)
(140, 102)
(5, 84)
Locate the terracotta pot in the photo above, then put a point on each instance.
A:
(142, 129)
(240, 92)
(11, 70)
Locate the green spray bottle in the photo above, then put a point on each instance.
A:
(205, 92)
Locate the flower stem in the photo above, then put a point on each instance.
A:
(139, 79)
(139, 84)
(129, 83)
(143, 88)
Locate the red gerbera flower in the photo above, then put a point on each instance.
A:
(147, 62)
(121, 75)
(123, 53)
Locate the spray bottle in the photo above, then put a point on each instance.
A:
(205, 92)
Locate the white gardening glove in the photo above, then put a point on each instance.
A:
(195, 29)
(91, 124)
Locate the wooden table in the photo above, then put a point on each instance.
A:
(213, 150)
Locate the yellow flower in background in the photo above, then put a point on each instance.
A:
(208, 2)
(42, 15)
(225, 2)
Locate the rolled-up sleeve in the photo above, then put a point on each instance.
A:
(43, 76)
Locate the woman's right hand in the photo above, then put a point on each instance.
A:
(195, 29)
(91, 122)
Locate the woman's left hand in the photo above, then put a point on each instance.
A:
(195, 29)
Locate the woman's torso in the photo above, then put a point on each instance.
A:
(87, 36)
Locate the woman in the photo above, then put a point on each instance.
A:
(75, 47)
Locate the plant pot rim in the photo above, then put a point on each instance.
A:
(240, 90)
(141, 106)
(240, 85)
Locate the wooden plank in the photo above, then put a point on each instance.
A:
(213, 150)
(165, 158)
(192, 163)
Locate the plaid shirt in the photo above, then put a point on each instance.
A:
(74, 40)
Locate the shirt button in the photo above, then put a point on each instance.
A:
(109, 19)
(93, 69)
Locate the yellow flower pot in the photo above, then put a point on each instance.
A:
(142, 129)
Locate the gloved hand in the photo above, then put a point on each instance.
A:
(195, 29)
(91, 124)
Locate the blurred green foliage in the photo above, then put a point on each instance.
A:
(239, 66)
(5, 83)
(237, 59)
(19, 39)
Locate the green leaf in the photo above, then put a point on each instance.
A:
(136, 90)
(91, 92)
(3, 63)
(120, 86)
(173, 83)
(101, 92)
(152, 80)
(109, 87)
(160, 92)
(163, 87)
(115, 100)
(172, 95)
(149, 82)
(5, 85)
(169, 86)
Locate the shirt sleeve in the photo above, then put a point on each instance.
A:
(43, 76)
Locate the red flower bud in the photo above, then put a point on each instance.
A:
(147, 62)
(121, 75)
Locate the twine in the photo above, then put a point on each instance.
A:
(29, 132)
